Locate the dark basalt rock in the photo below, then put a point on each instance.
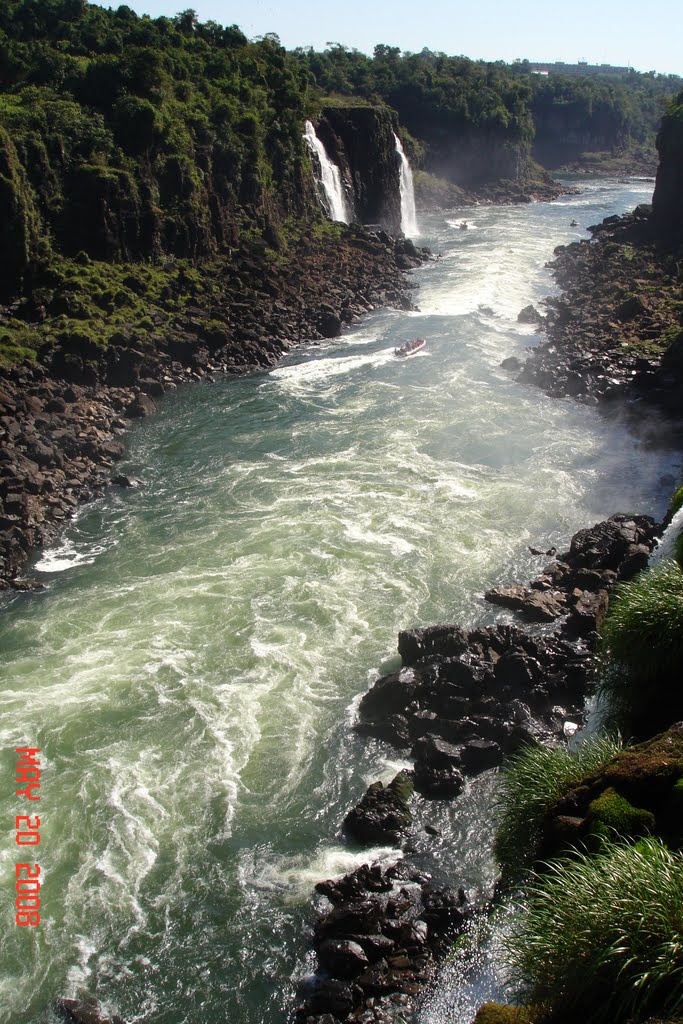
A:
(611, 330)
(466, 698)
(537, 606)
(406, 929)
(141, 406)
(383, 814)
(360, 917)
(343, 958)
(480, 755)
(84, 1012)
(529, 315)
(331, 997)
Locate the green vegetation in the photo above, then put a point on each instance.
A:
(446, 101)
(575, 117)
(499, 1013)
(135, 138)
(642, 650)
(611, 815)
(602, 937)
(530, 787)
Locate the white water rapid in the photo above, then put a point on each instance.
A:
(408, 213)
(330, 178)
(192, 669)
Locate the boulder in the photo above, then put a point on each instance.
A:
(535, 605)
(360, 917)
(529, 315)
(480, 755)
(333, 997)
(141, 406)
(85, 1012)
(343, 958)
(383, 814)
(416, 645)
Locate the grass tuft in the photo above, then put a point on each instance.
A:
(602, 938)
(531, 785)
(641, 648)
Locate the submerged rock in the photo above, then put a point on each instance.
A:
(85, 1012)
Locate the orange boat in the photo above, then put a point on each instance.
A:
(410, 348)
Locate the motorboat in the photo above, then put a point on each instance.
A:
(410, 347)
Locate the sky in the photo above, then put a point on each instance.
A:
(646, 36)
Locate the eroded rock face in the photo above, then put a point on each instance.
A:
(360, 141)
(667, 201)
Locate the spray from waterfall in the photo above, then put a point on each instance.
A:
(666, 546)
(408, 214)
(335, 202)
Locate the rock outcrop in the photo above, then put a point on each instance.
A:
(378, 936)
(465, 698)
(360, 140)
(667, 202)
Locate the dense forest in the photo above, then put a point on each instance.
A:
(131, 139)
(444, 101)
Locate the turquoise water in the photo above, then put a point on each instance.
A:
(190, 674)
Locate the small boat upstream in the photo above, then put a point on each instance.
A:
(410, 348)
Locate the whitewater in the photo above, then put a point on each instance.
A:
(192, 669)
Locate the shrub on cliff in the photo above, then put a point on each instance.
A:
(532, 784)
(602, 936)
(641, 648)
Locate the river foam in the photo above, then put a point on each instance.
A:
(191, 671)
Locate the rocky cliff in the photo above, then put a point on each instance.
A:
(360, 140)
(667, 202)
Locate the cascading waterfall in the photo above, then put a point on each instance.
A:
(408, 213)
(666, 546)
(330, 178)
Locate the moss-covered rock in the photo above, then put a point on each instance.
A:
(639, 791)
(611, 815)
(501, 1013)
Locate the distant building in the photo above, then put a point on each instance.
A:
(582, 68)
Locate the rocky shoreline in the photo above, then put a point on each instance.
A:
(614, 332)
(464, 699)
(434, 193)
(61, 422)
(460, 703)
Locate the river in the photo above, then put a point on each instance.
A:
(191, 671)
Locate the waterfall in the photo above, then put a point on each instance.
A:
(666, 545)
(335, 202)
(408, 214)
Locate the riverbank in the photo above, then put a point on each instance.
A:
(465, 699)
(62, 416)
(462, 701)
(434, 193)
(614, 331)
